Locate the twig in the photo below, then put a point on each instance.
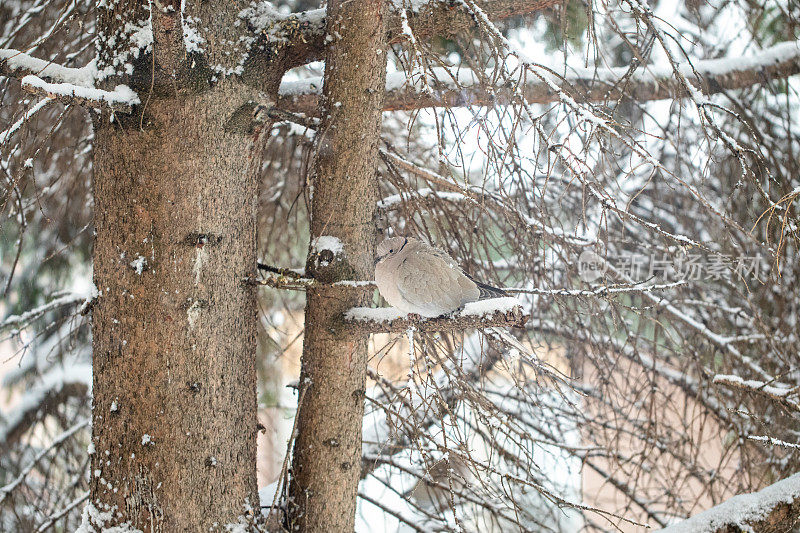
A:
(51, 520)
(285, 467)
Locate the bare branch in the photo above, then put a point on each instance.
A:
(300, 37)
(26, 116)
(407, 521)
(479, 196)
(650, 83)
(9, 487)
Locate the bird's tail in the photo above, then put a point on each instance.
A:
(487, 291)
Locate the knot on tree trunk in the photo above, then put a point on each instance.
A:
(327, 261)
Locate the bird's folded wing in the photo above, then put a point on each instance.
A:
(426, 280)
(441, 254)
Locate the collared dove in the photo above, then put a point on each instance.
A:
(415, 277)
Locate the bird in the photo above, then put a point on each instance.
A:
(418, 278)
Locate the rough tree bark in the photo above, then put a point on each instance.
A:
(174, 325)
(327, 452)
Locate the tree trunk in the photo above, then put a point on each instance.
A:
(327, 452)
(174, 326)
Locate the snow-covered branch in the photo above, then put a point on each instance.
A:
(772, 441)
(16, 64)
(19, 321)
(775, 508)
(301, 37)
(26, 116)
(602, 291)
(780, 393)
(121, 99)
(9, 487)
(56, 386)
(650, 82)
(67, 85)
(503, 312)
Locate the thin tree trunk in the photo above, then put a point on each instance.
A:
(327, 452)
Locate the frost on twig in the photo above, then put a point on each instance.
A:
(777, 392)
(503, 312)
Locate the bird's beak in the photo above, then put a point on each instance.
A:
(377, 260)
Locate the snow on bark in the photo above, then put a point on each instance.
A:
(742, 511)
(265, 18)
(69, 85)
(192, 40)
(495, 312)
(139, 36)
(326, 242)
(121, 98)
(93, 520)
(139, 264)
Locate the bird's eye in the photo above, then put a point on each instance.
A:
(391, 251)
